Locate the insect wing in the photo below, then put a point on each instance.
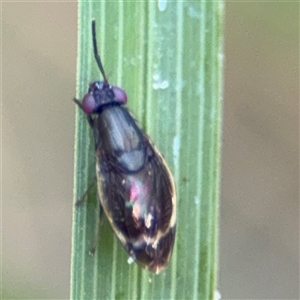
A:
(140, 205)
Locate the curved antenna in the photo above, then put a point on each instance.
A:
(96, 54)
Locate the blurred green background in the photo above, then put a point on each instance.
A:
(259, 246)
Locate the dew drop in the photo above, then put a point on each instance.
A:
(162, 5)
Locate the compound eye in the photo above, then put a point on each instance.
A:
(88, 104)
(120, 95)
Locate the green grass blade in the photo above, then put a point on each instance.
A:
(168, 58)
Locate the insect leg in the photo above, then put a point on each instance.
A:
(84, 196)
(97, 237)
(80, 105)
(78, 102)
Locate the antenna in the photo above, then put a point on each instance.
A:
(96, 54)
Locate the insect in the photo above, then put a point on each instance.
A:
(135, 186)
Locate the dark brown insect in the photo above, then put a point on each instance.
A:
(135, 185)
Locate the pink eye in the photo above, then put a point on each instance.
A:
(88, 104)
(120, 95)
